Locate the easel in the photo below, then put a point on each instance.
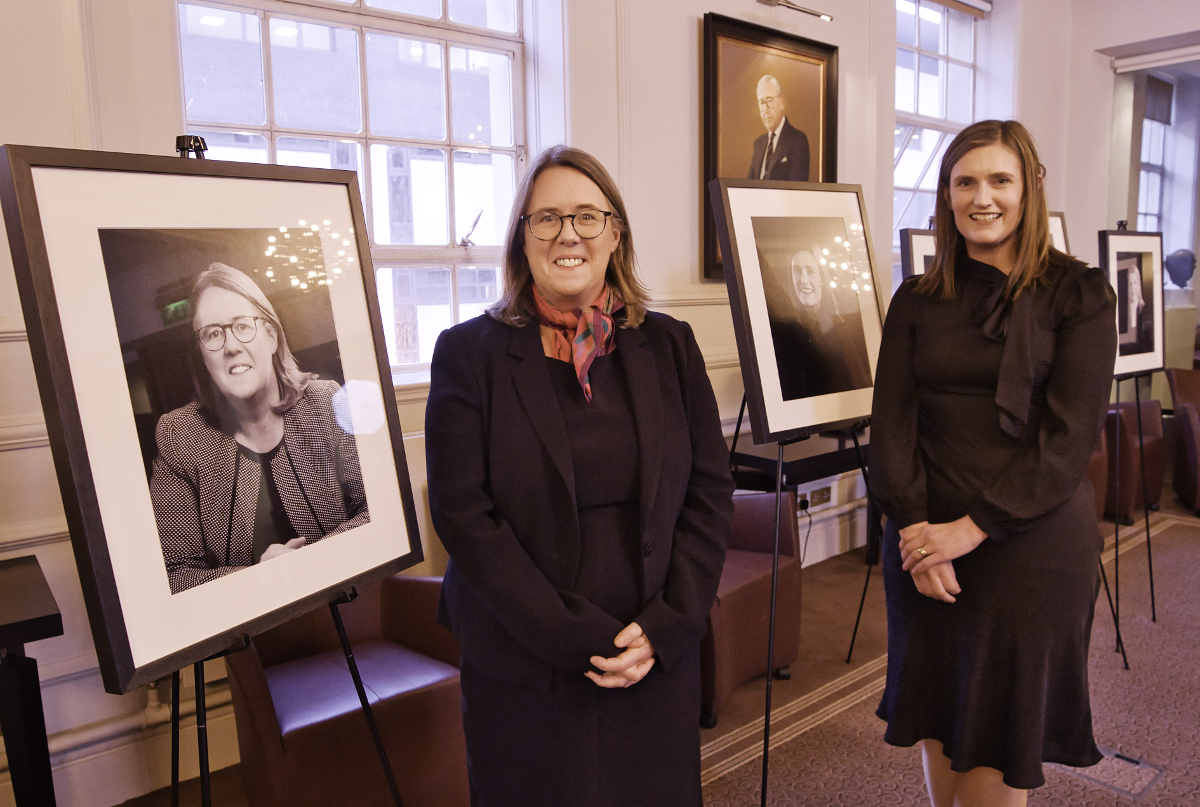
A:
(242, 643)
(189, 146)
(789, 439)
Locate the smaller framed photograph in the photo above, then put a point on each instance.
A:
(1058, 232)
(806, 307)
(1134, 262)
(916, 251)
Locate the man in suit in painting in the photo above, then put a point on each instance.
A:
(781, 153)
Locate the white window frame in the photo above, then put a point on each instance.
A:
(361, 18)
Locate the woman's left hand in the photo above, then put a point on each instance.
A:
(629, 667)
(938, 543)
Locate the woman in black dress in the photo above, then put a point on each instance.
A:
(993, 375)
(580, 482)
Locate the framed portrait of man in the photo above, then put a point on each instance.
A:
(211, 360)
(770, 111)
(1134, 263)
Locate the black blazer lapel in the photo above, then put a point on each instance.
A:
(532, 381)
(641, 373)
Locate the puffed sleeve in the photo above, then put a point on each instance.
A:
(1049, 470)
(897, 469)
(675, 618)
(555, 625)
(177, 513)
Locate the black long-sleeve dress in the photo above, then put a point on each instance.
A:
(990, 408)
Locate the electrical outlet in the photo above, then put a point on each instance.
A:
(819, 496)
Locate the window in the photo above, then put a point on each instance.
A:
(935, 99)
(421, 98)
(1160, 97)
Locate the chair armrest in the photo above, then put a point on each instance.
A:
(409, 607)
(753, 526)
(1152, 417)
(248, 682)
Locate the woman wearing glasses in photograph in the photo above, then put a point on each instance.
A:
(258, 465)
(580, 482)
(992, 379)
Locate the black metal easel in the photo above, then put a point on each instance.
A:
(874, 539)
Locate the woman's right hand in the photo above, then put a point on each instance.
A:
(275, 550)
(938, 581)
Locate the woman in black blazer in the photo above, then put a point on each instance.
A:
(579, 480)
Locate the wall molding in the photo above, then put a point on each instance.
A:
(722, 360)
(12, 329)
(688, 302)
(23, 432)
(22, 535)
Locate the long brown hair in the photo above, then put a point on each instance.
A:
(291, 379)
(1033, 231)
(516, 305)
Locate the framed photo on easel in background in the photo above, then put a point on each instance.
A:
(917, 248)
(1134, 263)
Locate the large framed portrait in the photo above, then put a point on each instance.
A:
(211, 364)
(1058, 232)
(917, 248)
(806, 307)
(770, 111)
(1134, 262)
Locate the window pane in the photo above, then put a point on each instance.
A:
(498, 15)
(921, 145)
(929, 181)
(961, 35)
(906, 22)
(958, 93)
(906, 69)
(344, 155)
(918, 212)
(478, 288)
(1143, 187)
(420, 8)
(1153, 138)
(930, 18)
(483, 187)
(481, 97)
(400, 176)
(929, 90)
(405, 87)
(900, 200)
(235, 147)
(1153, 192)
(314, 76)
(415, 305)
(222, 66)
(902, 134)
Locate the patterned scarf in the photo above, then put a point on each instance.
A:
(583, 334)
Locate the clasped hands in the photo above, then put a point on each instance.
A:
(630, 666)
(927, 549)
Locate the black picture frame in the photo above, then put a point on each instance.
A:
(807, 350)
(917, 248)
(736, 55)
(1141, 328)
(56, 202)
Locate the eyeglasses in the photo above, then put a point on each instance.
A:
(767, 102)
(244, 329)
(545, 226)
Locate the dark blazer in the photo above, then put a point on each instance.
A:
(205, 494)
(501, 493)
(790, 159)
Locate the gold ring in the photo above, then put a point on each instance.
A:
(922, 552)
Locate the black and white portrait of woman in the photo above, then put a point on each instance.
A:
(245, 430)
(812, 288)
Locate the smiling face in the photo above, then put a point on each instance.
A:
(569, 270)
(806, 278)
(240, 371)
(985, 195)
(770, 102)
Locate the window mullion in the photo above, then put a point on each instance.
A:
(264, 37)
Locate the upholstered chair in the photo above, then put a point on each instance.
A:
(1121, 503)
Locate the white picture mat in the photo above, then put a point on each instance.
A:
(1058, 231)
(748, 203)
(1151, 245)
(73, 205)
(920, 246)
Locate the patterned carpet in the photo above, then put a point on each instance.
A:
(826, 741)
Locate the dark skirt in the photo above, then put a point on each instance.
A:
(583, 746)
(1000, 677)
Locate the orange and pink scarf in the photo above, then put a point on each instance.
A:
(583, 334)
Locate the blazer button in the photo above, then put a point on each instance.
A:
(649, 548)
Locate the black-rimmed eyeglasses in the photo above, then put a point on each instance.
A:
(244, 329)
(545, 226)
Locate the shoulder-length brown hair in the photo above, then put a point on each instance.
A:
(1032, 236)
(516, 305)
(291, 379)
